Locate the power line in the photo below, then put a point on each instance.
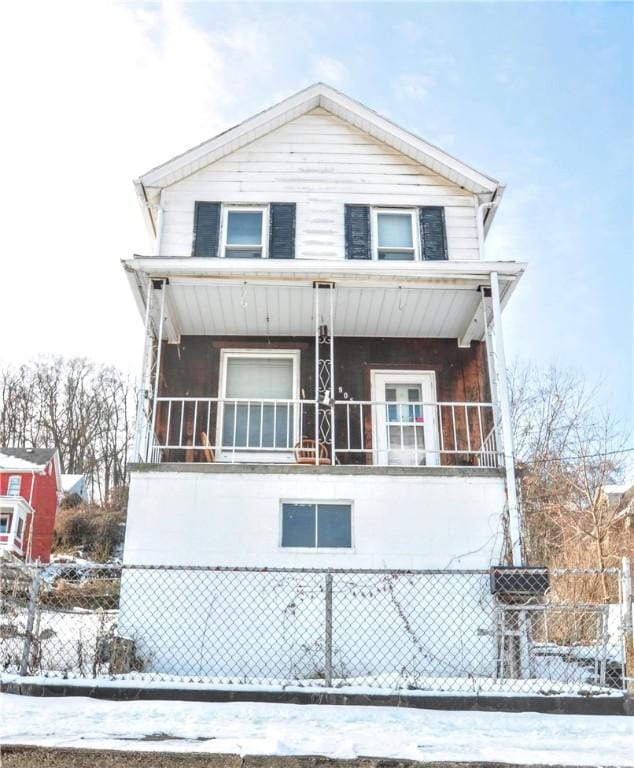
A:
(574, 458)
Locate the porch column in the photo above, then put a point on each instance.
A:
(324, 366)
(144, 384)
(499, 364)
(157, 368)
(488, 346)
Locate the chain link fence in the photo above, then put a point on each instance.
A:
(504, 631)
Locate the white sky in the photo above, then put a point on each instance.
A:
(89, 87)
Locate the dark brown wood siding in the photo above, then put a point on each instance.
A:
(191, 369)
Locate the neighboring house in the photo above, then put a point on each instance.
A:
(30, 491)
(328, 389)
(324, 382)
(75, 485)
(620, 501)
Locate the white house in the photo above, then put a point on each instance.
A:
(324, 375)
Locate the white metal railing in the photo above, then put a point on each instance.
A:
(365, 432)
(417, 433)
(229, 429)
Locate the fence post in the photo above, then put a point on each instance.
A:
(627, 627)
(328, 635)
(30, 621)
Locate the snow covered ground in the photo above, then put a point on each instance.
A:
(334, 731)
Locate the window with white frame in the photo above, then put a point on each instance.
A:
(244, 229)
(5, 520)
(15, 483)
(258, 413)
(317, 525)
(395, 234)
(20, 529)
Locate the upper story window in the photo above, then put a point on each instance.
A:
(13, 488)
(396, 235)
(243, 231)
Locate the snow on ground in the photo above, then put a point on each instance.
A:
(389, 684)
(334, 731)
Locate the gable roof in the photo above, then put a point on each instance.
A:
(149, 185)
(25, 458)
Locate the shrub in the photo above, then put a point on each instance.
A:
(94, 530)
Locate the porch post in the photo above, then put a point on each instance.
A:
(499, 362)
(332, 373)
(316, 313)
(488, 345)
(144, 383)
(157, 369)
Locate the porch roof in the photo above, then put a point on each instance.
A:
(275, 298)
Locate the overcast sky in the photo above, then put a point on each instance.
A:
(537, 95)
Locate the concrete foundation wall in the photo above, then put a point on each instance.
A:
(399, 520)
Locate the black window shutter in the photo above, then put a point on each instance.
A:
(357, 231)
(282, 231)
(206, 229)
(433, 233)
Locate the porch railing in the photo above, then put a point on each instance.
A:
(368, 432)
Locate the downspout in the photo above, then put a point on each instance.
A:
(158, 243)
(29, 547)
(480, 223)
(515, 526)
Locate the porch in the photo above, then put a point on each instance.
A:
(381, 368)
(15, 517)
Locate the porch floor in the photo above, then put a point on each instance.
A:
(326, 469)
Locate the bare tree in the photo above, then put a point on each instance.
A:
(568, 449)
(81, 408)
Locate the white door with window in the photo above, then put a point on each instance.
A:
(404, 423)
(257, 416)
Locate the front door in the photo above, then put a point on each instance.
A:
(404, 418)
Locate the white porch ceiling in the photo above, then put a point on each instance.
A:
(434, 301)
(260, 310)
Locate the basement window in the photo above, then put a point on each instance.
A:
(244, 230)
(317, 525)
(395, 234)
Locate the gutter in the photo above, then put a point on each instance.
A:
(496, 198)
(144, 203)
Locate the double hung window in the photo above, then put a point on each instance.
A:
(258, 409)
(15, 483)
(396, 235)
(5, 520)
(244, 229)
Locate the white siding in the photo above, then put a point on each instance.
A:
(320, 162)
(198, 518)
